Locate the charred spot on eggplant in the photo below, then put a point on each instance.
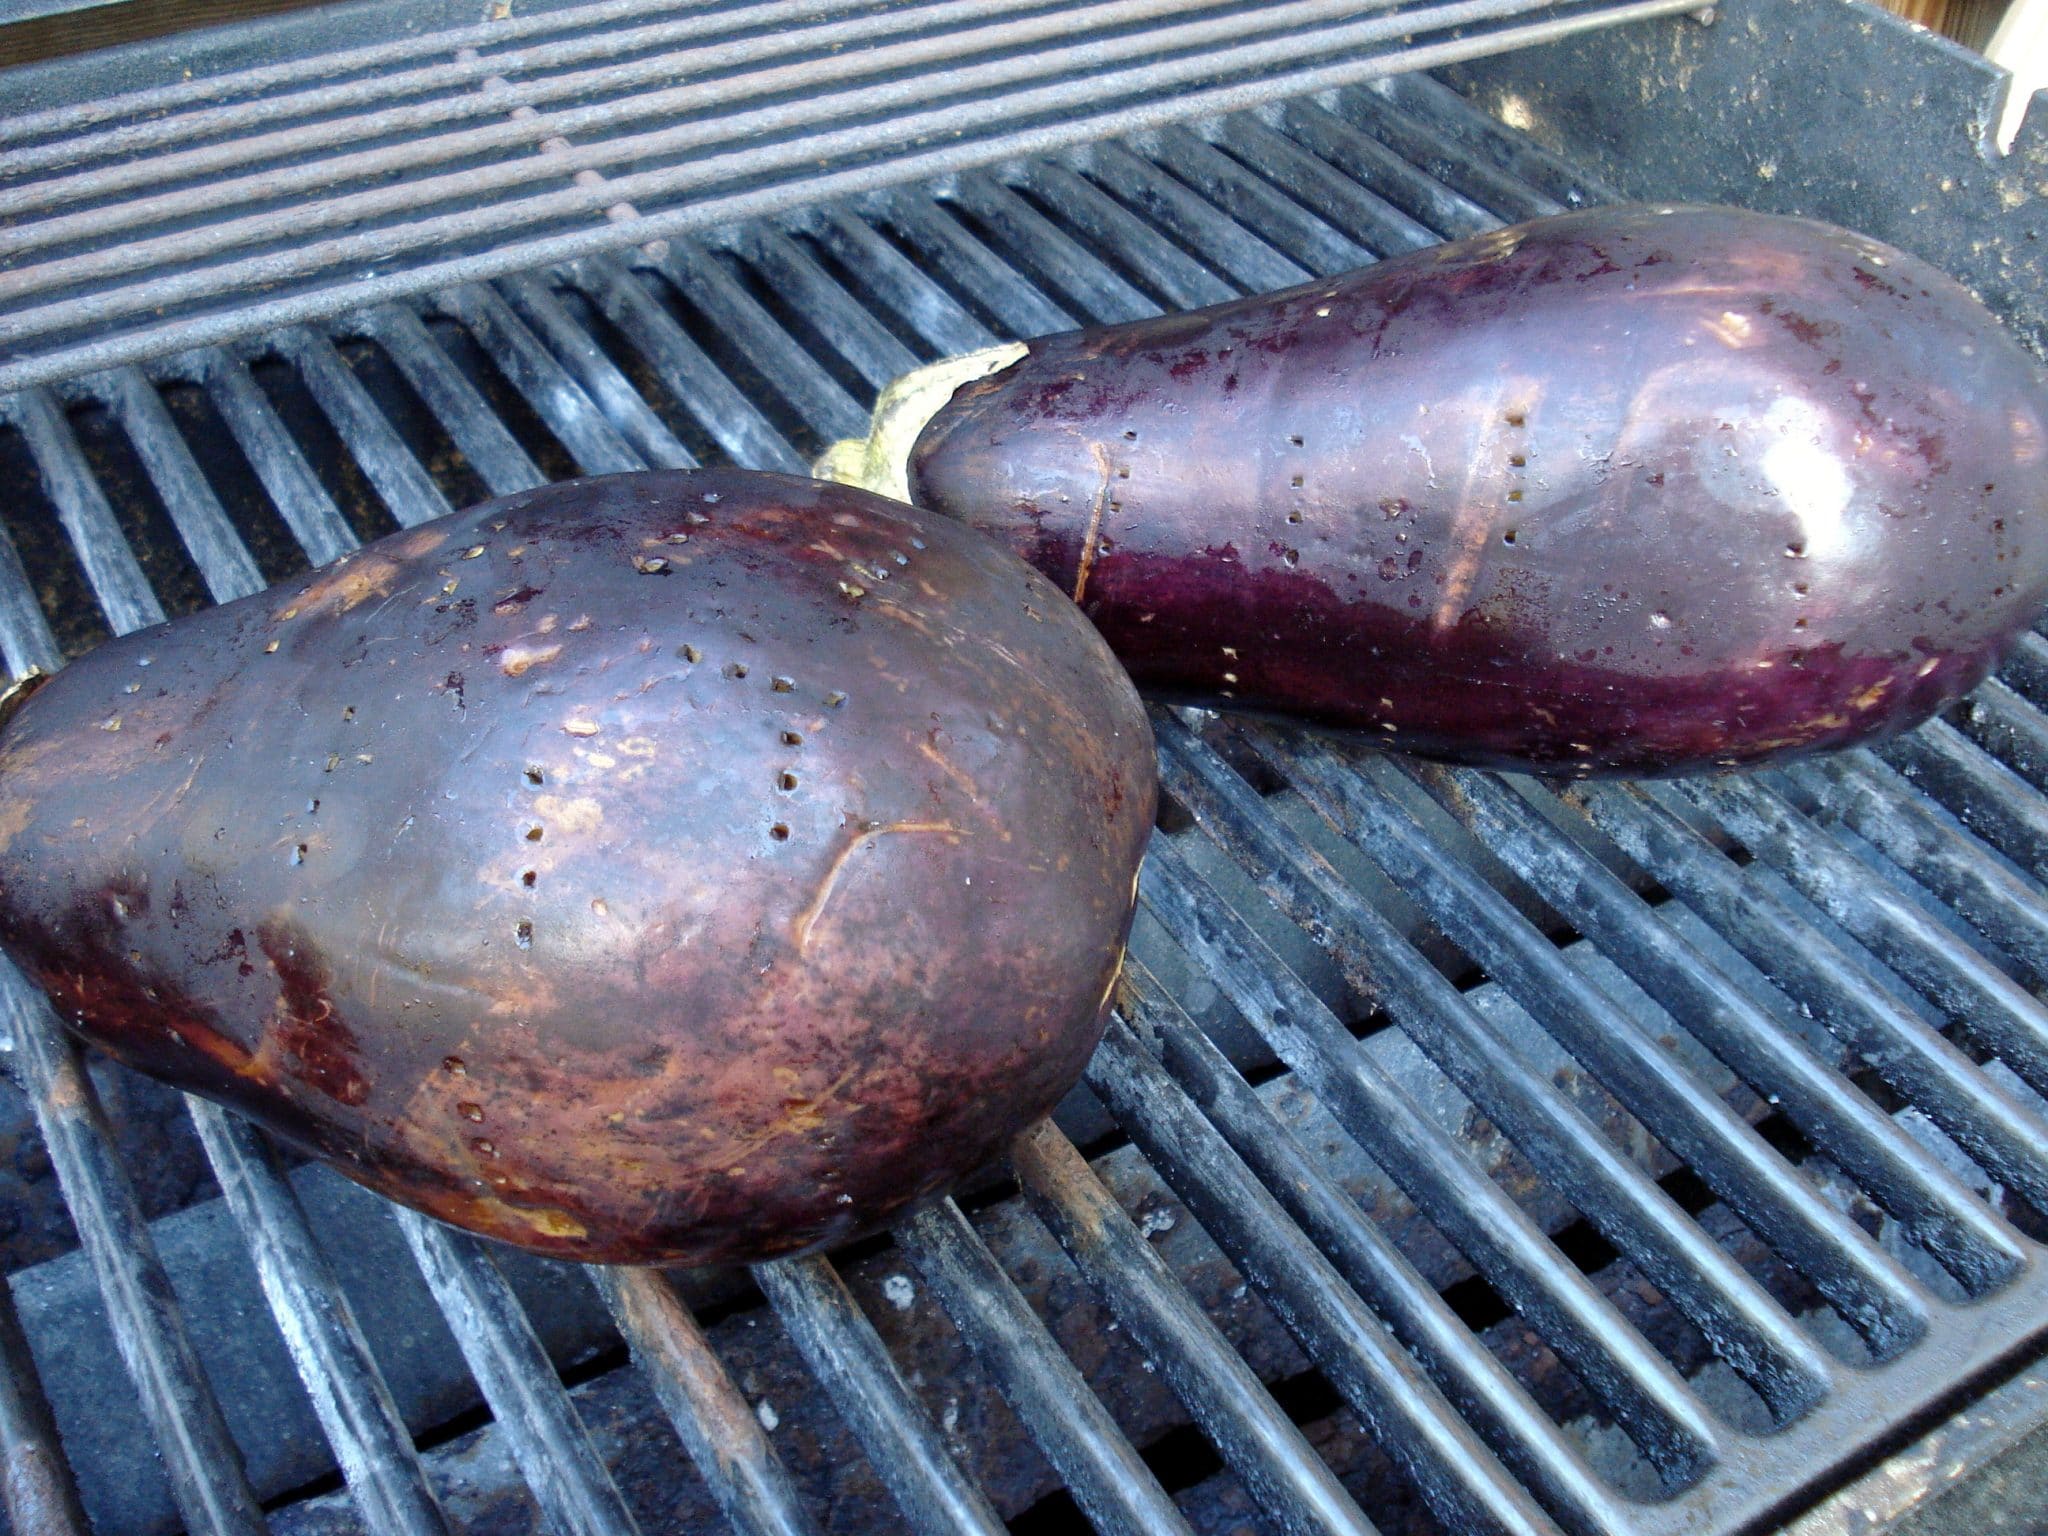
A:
(722, 918)
(1632, 490)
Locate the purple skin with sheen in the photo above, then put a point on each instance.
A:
(1634, 490)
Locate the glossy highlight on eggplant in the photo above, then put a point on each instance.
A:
(1642, 490)
(664, 868)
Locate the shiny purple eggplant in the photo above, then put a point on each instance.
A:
(1639, 490)
(667, 868)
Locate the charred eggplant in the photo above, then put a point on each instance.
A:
(662, 868)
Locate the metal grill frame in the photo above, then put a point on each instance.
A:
(1182, 216)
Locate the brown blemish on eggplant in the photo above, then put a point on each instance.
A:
(313, 1045)
(951, 770)
(1091, 540)
(518, 660)
(863, 840)
(347, 586)
(14, 819)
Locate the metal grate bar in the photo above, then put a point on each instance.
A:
(1910, 1056)
(294, 489)
(1933, 1205)
(2007, 726)
(1521, 157)
(408, 492)
(855, 334)
(1953, 976)
(707, 91)
(70, 121)
(1308, 239)
(199, 1456)
(26, 643)
(794, 374)
(1463, 1483)
(546, 384)
(1435, 153)
(568, 1477)
(1063, 106)
(1747, 1328)
(849, 1358)
(691, 377)
(629, 415)
(1364, 216)
(1372, 165)
(2026, 669)
(1244, 257)
(1659, 1410)
(717, 1428)
(897, 281)
(1485, 1394)
(586, 137)
(1866, 796)
(103, 554)
(1865, 1284)
(1177, 277)
(1088, 81)
(707, 103)
(355, 1408)
(36, 1487)
(470, 423)
(1113, 1487)
(1051, 259)
(1029, 240)
(1985, 795)
(950, 252)
(1062, 264)
(1252, 263)
(217, 550)
(1290, 1484)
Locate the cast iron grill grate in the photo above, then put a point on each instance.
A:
(194, 213)
(1725, 1097)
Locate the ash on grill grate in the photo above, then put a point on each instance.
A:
(1629, 1161)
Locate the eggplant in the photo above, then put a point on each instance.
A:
(668, 868)
(1642, 490)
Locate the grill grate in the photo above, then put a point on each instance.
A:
(186, 212)
(1797, 1092)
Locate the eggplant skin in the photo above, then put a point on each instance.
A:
(667, 868)
(1641, 490)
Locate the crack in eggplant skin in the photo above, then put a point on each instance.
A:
(1633, 490)
(492, 864)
